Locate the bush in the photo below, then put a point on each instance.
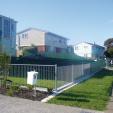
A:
(49, 90)
(30, 87)
(10, 92)
(15, 87)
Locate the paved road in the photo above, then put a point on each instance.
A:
(17, 105)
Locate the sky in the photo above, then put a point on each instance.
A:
(78, 20)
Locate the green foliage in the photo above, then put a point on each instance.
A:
(30, 51)
(107, 54)
(18, 80)
(108, 42)
(49, 90)
(4, 60)
(66, 56)
(10, 92)
(109, 45)
(91, 94)
(4, 83)
(110, 51)
(40, 83)
(4, 65)
(30, 87)
(15, 87)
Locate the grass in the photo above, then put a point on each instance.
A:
(42, 83)
(91, 94)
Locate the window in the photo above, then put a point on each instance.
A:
(58, 50)
(64, 42)
(85, 55)
(26, 35)
(12, 27)
(19, 36)
(60, 41)
(22, 35)
(47, 48)
(76, 48)
(6, 28)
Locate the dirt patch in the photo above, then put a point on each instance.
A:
(25, 93)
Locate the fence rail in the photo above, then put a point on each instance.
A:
(53, 76)
(71, 73)
(46, 76)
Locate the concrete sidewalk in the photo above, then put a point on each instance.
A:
(17, 105)
(110, 105)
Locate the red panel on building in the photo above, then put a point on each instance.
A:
(41, 49)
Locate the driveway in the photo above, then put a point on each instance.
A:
(17, 105)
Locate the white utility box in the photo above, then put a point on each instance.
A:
(32, 77)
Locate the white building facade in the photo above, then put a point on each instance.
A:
(89, 50)
(7, 35)
(43, 40)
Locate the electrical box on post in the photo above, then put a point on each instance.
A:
(32, 77)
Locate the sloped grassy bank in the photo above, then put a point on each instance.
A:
(91, 94)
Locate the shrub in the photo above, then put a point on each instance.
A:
(10, 92)
(30, 87)
(49, 90)
(15, 87)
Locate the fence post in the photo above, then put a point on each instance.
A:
(56, 77)
(72, 74)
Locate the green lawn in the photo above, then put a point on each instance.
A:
(41, 83)
(92, 94)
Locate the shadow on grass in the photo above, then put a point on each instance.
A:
(76, 94)
(82, 99)
(73, 97)
(103, 73)
(81, 96)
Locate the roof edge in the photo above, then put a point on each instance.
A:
(30, 28)
(90, 44)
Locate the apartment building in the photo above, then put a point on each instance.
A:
(7, 35)
(44, 41)
(89, 50)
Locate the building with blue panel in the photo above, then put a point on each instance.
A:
(7, 35)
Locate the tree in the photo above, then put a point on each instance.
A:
(109, 48)
(110, 51)
(106, 53)
(4, 65)
(108, 42)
